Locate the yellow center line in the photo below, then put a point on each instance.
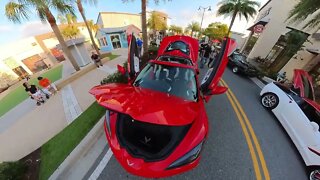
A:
(247, 136)
(253, 135)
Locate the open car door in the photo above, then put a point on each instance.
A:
(133, 57)
(302, 83)
(209, 84)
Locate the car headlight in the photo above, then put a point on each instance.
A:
(188, 157)
(108, 122)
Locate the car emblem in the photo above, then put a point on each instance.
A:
(128, 162)
(146, 139)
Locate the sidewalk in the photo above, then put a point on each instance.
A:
(27, 131)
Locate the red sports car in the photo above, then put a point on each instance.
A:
(157, 124)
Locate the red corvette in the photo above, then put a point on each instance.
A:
(157, 124)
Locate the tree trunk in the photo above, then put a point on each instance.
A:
(52, 21)
(80, 8)
(232, 21)
(144, 25)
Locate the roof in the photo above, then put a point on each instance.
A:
(117, 29)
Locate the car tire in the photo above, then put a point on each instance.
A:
(235, 69)
(314, 173)
(269, 100)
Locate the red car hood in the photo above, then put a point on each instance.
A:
(146, 105)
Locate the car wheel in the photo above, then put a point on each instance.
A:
(269, 100)
(235, 69)
(314, 173)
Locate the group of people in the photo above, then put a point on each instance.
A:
(39, 94)
(208, 53)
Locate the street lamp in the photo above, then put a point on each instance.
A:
(204, 10)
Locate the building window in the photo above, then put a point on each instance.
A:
(103, 41)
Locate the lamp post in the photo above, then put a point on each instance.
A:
(204, 10)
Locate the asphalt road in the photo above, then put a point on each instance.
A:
(227, 154)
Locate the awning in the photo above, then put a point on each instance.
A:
(314, 51)
(262, 21)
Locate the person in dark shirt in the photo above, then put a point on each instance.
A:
(33, 92)
(206, 55)
(96, 59)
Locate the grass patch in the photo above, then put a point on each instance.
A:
(55, 151)
(109, 55)
(18, 95)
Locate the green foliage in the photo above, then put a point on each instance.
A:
(175, 29)
(116, 77)
(12, 170)
(55, 151)
(294, 41)
(304, 9)
(193, 27)
(156, 22)
(71, 31)
(216, 30)
(240, 8)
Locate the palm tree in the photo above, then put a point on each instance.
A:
(305, 8)
(144, 22)
(20, 10)
(81, 10)
(236, 8)
(193, 27)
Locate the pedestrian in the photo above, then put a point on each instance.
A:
(34, 93)
(205, 58)
(47, 86)
(96, 59)
(213, 57)
(139, 44)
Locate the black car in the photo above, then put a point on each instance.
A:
(239, 64)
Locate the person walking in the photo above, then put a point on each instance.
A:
(205, 58)
(34, 93)
(139, 44)
(47, 87)
(96, 59)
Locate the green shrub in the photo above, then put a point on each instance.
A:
(116, 77)
(12, 170)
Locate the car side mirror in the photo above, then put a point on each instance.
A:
(216, 91)
(219, 90)
(315, 126)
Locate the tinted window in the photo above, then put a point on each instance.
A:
(239, 57)
(175, 59)
(311, 113)
(179, 45)
(176, 81)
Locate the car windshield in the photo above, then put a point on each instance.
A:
(239, 57)
(175, 60)
(176, 81)
(179, 45)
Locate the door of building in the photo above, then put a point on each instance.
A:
(115, 39)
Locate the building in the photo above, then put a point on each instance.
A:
(277, 40)
(118, 19)
(114, 38)
(33, 54)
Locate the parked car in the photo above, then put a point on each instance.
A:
(239, 64)
(299, 114)
(157, 124)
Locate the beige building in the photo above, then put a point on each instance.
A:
(273, 44)
(117, 19)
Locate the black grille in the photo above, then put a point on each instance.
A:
(151, 142)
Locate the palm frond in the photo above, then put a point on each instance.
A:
(63, 6)
(314, 22)
(304, 9)
(16, 12)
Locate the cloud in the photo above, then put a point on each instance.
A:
(34, 28)
(5, 28)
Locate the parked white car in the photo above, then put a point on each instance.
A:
(299, 114)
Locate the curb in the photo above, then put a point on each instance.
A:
(83, 146)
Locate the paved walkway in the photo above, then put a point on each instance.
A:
(26, 127)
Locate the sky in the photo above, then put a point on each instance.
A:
(181, 12)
